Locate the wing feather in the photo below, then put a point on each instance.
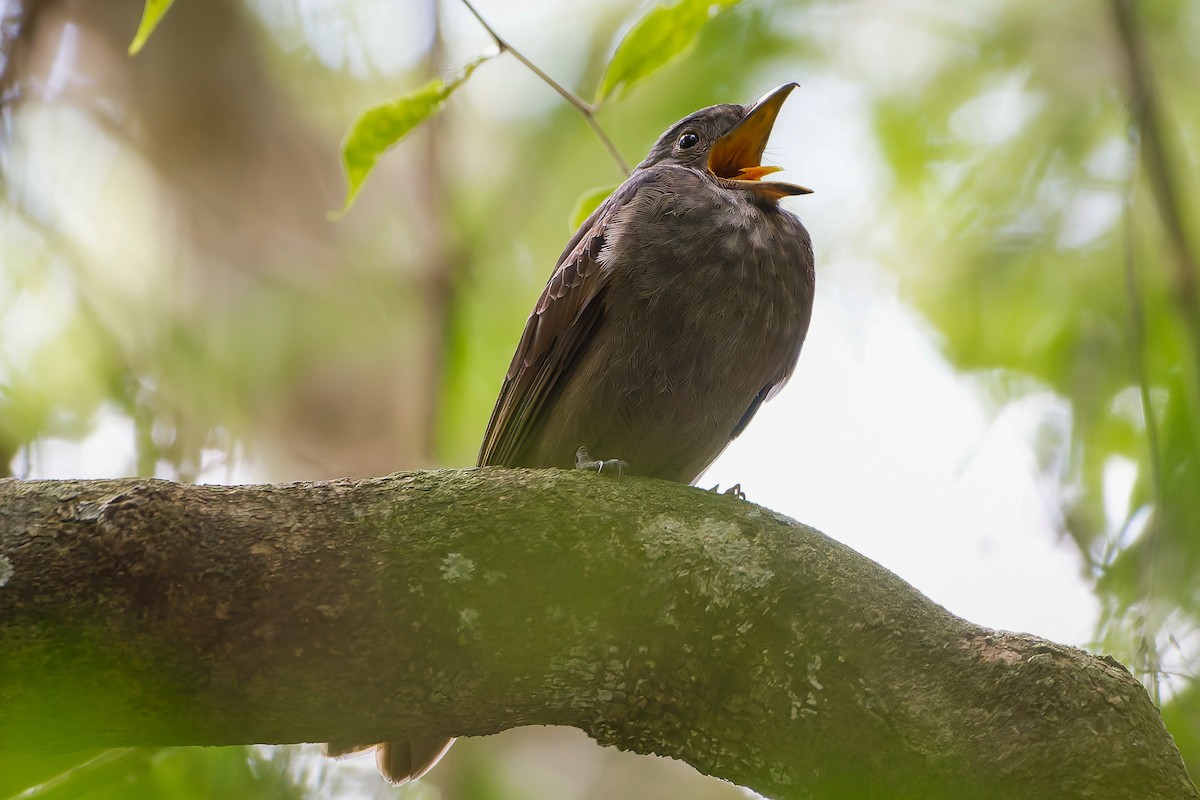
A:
(563, 323)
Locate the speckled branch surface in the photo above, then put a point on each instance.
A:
(656, 617)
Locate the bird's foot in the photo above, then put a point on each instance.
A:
(612, 465)
(732, 491)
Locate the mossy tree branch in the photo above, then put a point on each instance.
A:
(656, 617)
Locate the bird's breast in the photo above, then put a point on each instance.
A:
(709, 294)
(712, 266)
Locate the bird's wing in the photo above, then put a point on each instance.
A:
(558, 331)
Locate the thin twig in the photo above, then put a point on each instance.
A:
(442, 257)
(586, 109)
(51, 785)
(1137, 325)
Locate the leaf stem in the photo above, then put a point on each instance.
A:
(587, 110)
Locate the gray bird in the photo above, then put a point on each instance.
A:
(675, 311)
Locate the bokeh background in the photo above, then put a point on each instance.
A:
(999, 398)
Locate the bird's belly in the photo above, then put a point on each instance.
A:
(664, 386)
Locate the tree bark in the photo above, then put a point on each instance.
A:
(655, 617)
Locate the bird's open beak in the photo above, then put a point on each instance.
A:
(737, 155)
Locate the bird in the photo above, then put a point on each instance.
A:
(675, 311)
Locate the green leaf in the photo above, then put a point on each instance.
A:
(152, 13)
(380, 127)
(588, 202)
(665, 33)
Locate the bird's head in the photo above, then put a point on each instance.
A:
(728, 141)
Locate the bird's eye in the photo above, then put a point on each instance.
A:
(688, 140)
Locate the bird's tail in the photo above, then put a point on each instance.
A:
(399, 762)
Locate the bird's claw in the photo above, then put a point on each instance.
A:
(732, 491)
(584, 461)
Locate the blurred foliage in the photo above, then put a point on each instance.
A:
(380, 127)
(1043, 253)
(174, 301)
(1034, 235)
(588, 202)
(662, 35)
